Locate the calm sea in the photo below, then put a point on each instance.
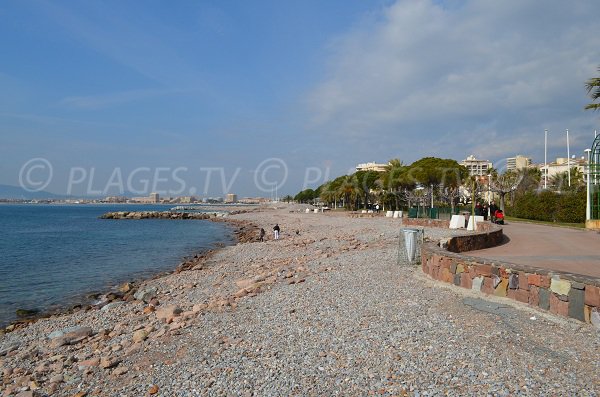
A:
(53, 255)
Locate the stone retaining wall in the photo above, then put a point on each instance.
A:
(425, 222)
(487, 235)
(561, 293)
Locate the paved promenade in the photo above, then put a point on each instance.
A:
(555, 248)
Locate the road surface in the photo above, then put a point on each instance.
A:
(556, 248)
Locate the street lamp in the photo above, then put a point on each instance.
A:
(568, 159)
(588, 209)
(489, 194)
(545, 159)
(432, 195)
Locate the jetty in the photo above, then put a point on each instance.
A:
(161, 215)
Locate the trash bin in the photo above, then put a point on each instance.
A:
(410, 242)
(434, 213)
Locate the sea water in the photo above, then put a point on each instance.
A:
(53, 255)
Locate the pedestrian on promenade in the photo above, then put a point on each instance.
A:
(276, 231)
(485, 212)
(261, 236)
(478, 209)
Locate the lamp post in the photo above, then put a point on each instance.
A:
(588, 209)
(568, 160)
(489, 194)
(545, 159)
(432, 195)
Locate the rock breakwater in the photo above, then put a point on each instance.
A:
(168, 214)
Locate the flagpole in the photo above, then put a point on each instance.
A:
(568, 159)
(545, 159)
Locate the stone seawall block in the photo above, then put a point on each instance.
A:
(592, 295)
(465, 281)
(576, 305)
(488, 286)
(484, 270)
(501, 288)
(560, 286)
(534, 296)
(539, 280)
(513, 281)
(557, 306)
(544, 299)
(519, 295)
(457, 280)
(523, 284)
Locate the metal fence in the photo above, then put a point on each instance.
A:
(444, 213)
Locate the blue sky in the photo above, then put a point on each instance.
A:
(232, 87)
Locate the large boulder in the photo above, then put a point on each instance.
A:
(69, 336)
(168, 313)
(146, 294)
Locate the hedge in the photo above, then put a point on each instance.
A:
(568, 207)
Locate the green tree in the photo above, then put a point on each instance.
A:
(504, 184)
(366, 182)
(287, 198)
(349, 192)
(305, 196)
(394, 181)
(437, 172)
(560, 181)
(593, 89)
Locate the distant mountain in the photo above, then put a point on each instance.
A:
(16, 192)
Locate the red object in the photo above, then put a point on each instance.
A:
(499, 214)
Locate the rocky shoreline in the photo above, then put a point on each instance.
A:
(242, 231)
(326, 310)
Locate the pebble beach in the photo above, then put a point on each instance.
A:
(325, 310)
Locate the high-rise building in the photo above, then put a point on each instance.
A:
(154, 198)
(373, 166)
(231, 198)
(477, 166)
(517, 163)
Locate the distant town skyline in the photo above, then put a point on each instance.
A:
(257, 97)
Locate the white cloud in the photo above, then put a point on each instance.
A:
(482, 72)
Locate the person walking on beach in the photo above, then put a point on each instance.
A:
(276, 230)
(261, 236)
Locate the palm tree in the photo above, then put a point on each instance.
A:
(593, 89)
(349, 192)
(329, 194)
(560, 181)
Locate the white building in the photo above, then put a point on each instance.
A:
(477, 166)
(562, 164)
(231, 198)
(518, 162)
(373, 166)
